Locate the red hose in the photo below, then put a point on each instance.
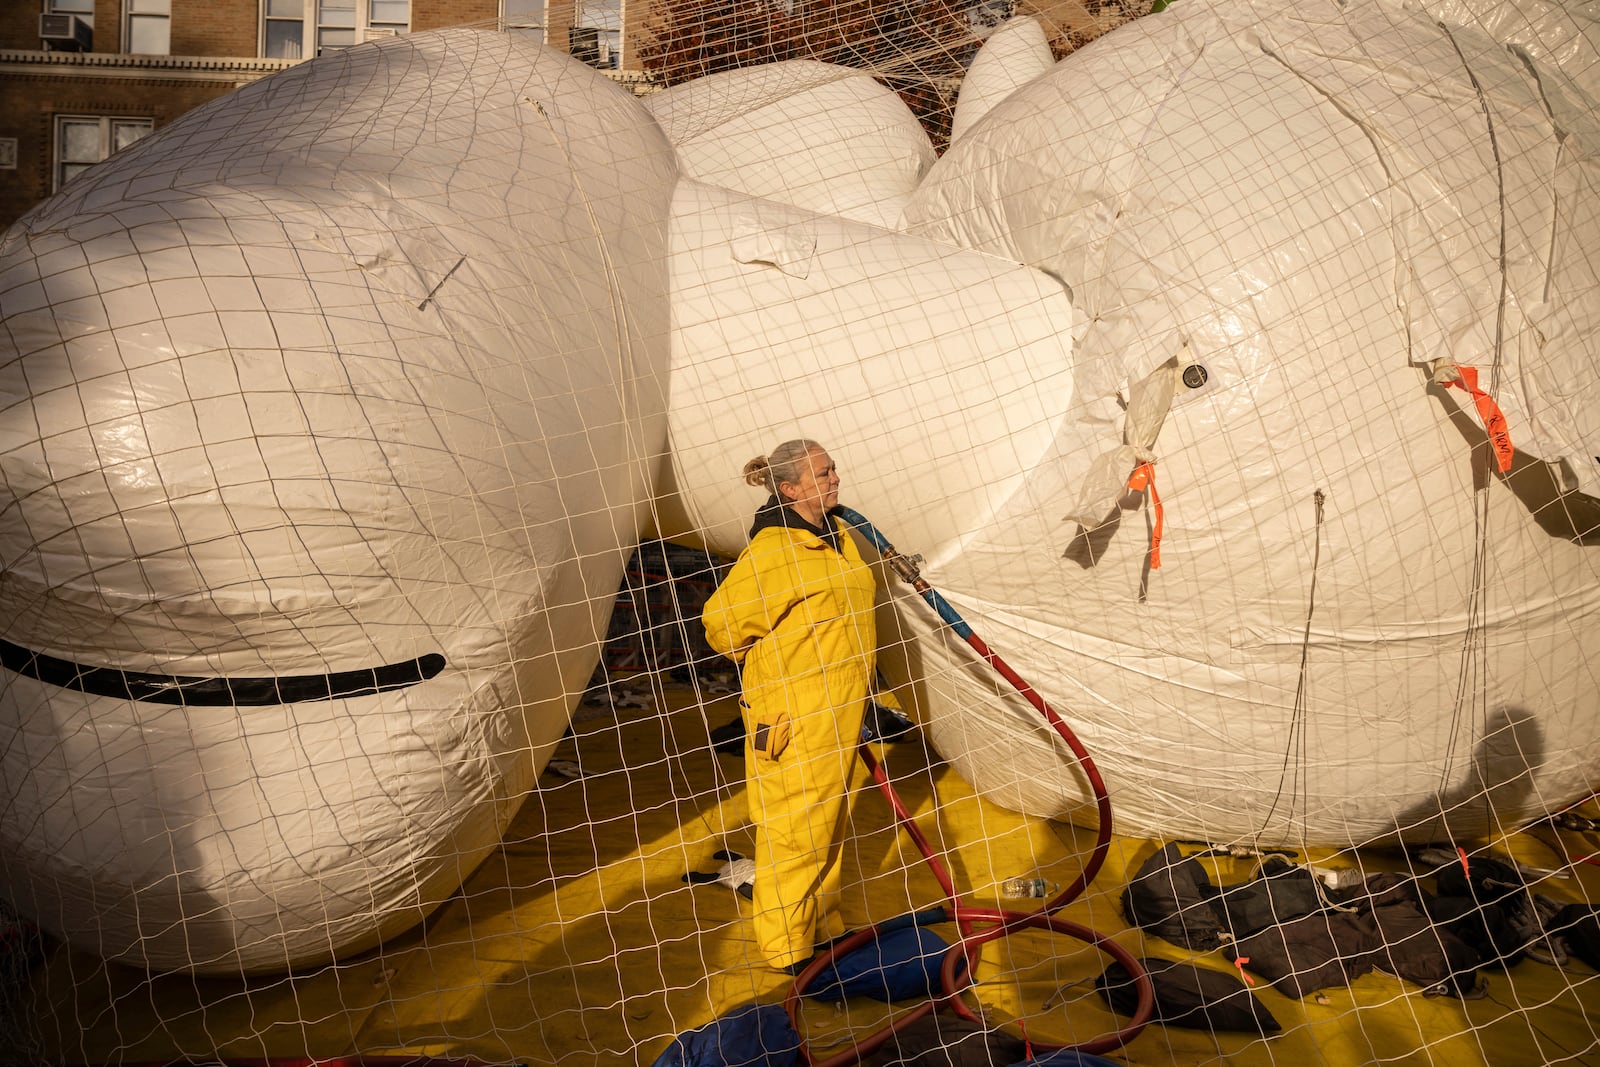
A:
(978, 926)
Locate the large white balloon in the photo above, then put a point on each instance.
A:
(1279, 227)
(353, 380)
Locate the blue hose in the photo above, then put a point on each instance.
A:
(906, 567)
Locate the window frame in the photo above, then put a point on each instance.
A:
(108, 124)
(520, 20)
(603, 18)
(312, 24)
(130, 16)
(84, 9)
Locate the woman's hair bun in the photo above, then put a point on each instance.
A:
(755, 472)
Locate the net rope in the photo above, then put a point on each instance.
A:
(370, 384)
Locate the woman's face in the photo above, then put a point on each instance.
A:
(817, 488)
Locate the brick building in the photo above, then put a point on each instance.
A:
(81, 78)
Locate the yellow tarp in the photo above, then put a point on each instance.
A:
(580, 943)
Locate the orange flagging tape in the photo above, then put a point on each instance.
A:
(1142, 479)
(1494, 420)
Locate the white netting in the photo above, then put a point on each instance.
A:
(1231, 366)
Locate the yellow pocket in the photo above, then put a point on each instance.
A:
(770, 738)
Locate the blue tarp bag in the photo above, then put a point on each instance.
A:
(1069, 1057)
(902, 963)
(756, 1035)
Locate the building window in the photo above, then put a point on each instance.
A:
(523, 17)
(596, 35)
(84, 140)
(285, 29)
(389, 16)
(84, 9)
(336, 24)
(295, 29)
(149, 27)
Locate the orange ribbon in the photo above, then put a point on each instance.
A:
(1141, 480)
(1494, 420)
(1249, 979)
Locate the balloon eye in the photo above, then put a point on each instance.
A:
(1195, 375)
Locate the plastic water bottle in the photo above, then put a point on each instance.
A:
(1027, 887)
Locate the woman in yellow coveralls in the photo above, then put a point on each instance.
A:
(796, 613)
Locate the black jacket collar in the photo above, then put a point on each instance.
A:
(776, 513)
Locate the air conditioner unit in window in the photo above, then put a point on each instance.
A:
(65, 33)
(374, 32)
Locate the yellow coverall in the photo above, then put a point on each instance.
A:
(797, 616)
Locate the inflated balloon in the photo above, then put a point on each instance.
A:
(1291, 508)
(332, 414)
